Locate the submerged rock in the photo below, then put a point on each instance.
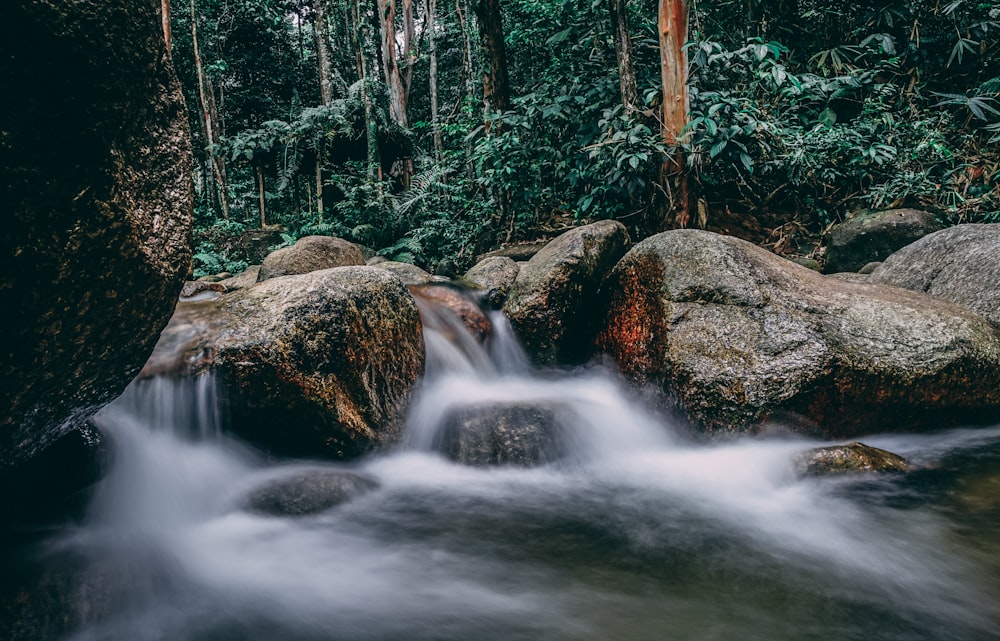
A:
(317, 364)
(521, 435)
(494, 277)
(742, 337)
(459, 303)
(873, 235)
(552, 300)
(95, 181)
(960, 264)
(309, 254)
(852, 458)
(307, 492)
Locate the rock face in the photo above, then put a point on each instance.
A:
(872, 235)
(494, 277)
(960, 264)
(554, 296)
(519, 435)
(318, 364)
(853, 458)
(307, 492)
(95, 187)
(309, 254)
(742, 337)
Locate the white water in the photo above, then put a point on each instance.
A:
(635, 534)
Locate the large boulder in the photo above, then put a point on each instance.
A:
(742, 337)
(872, 235)
(96, 194)
(960, 264)
(493, 277)
(309, 254)
(551, 302)
(317, 364)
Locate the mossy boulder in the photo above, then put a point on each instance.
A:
(308, 254)
(551, 304)
(96, 193)
(872, 235)
(318, 364)
(960, 264)
(741, 337)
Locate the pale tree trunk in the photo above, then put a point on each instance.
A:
(390, 64)
(432, 82)
(323, 53)
(165, 20)
(496, 84)
(362, 39)
(672, 23)
(623, 55)
(409, 41)
(260, 193)
(207, 99)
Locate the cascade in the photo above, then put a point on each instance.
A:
(630, 532)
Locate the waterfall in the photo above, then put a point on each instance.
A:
(629, 531)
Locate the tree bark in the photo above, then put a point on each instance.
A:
(390, 64)
(672, 23)
(409, 40)
(432, 81)
(165, 20)
(323, 53)
(207, 101)
(496, 83)
(623, 56)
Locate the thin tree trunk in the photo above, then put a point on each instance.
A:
(672, 23)
(165, 19)
(260, 193)
(409, 41)
(323, 53)
(496, 84)
(319, 182)
(390, 64)
(432, 82)
(623, 56)
(206, 110)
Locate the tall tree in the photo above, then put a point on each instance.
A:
(390, 62)
(496, 83)
(672, 26)
(209, 118)
(165, 20)
(323, 52)
(432, 78)
(618, 10)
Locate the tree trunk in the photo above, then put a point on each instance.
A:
(623, 55)
(207, 100)
(496, 84)
(390, 64)
(672, 23)
(409, 40)
(260, 193)
(165, 20)
(432, 82)
(323, 54)
(319, 183)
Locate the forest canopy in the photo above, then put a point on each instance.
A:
(432, 131)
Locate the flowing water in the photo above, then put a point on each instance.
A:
(635, 532)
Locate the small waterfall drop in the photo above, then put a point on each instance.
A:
(630, 533)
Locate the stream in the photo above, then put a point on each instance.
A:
(636, 531)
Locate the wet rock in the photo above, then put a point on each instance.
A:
(310, 253)
(741, 336)
(852, 458)
(193, 288)
(95, 181)
(306, 492)
(317, 364)
(872, 235)
(244, 279)
(494, 276)
(550, 304)
(459, 303)
(518, 253)
(960, 264)
(409, 274)
(521, 435)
